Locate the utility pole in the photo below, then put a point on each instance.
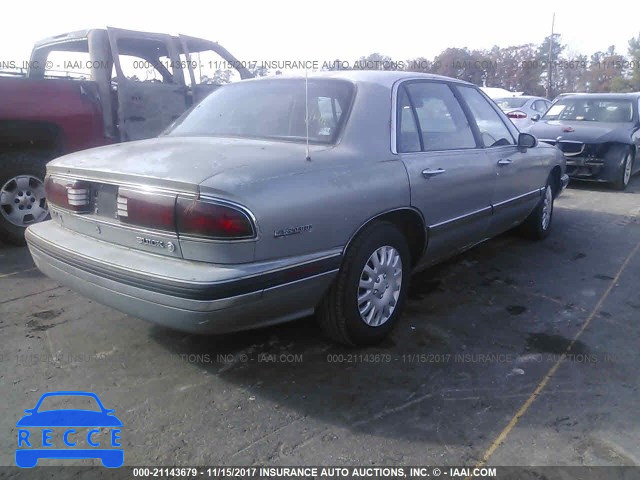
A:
(550, 60)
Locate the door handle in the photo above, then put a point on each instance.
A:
(428, 172)
(505, 161)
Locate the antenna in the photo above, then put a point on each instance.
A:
(306, 109)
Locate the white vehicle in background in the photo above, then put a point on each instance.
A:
(523, 110)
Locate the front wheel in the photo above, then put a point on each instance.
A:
(538, 224)
(368, 296)
(22, 196)
(624, 174)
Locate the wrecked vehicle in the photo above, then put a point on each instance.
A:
(276, 198)
(90, 88)
(599, 135)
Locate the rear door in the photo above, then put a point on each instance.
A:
(451, 178)
(518, 172)
(149, 82)
(210, 66)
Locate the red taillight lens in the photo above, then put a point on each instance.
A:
(516, 114)
(212, 220)
(145, 209)
(72, 195)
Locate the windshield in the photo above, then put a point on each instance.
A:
(591, 110)
(271, 109)
(512, 102)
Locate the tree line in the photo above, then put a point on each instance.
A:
(523, 68)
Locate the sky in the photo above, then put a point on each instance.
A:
(329, 29)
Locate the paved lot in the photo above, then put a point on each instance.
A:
(475, 370)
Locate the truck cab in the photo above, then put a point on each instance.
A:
(90, 88)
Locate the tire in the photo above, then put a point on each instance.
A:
(537, 226)
(22, 200)
(339, 312)
(625, 172)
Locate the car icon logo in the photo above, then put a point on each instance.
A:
(69, 433)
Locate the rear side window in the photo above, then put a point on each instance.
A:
(432, 110)
(493, 130)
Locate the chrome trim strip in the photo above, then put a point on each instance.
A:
(132, 185)
(519, 198)
(462, 218)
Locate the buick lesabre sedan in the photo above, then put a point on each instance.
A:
(277, 198)
(599, 135)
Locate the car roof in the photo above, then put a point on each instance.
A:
(81, 35)
(526, 97)
(381, 77)
(611, 96)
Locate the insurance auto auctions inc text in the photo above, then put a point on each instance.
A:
(351, 472)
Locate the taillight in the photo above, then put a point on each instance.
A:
(72, 195)
(516, 114)
(212, 220)
(146, 209)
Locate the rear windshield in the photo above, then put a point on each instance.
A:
(271, 109)
(591, 110)
(512, 102)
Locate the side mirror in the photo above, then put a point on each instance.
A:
(535, 118)
(526, 140)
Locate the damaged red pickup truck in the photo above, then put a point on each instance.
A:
(90, 88)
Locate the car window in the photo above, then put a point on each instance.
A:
(329, 112)
(591, 110)
(408, 136)
(540, 106)
(145, 61)
(510, 102)
(271, 109)
(493, 130)
(441, 120)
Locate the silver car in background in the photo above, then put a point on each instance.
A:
(523, 110)
(279, 197)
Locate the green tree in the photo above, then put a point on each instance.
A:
(634, 57)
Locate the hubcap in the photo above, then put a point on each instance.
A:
(628, 164)
(547, 208)
(23, 201)
(379, 288)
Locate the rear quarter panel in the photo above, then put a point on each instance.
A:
(331, 200)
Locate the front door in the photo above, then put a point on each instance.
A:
(149, 80)
(451, 178)
(518, 172)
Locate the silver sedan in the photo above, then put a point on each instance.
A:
(280, 197)
(523, 110)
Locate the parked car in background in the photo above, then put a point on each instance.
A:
(228, 222)
(89, 88)
(523, 110)
(598, 133)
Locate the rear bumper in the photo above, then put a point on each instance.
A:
(196, 297)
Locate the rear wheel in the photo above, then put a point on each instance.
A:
(538, 224)
(369, 294)
(624, 174)
(22, 196)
